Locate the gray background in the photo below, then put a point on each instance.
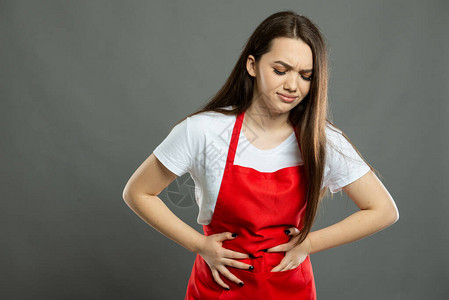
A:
(90, 88)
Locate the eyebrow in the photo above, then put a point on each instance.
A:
(290, 67)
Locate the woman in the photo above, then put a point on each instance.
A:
(262, 153)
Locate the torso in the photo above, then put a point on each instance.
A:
(264, 139)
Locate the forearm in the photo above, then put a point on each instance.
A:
(154, 212)
(356, 226)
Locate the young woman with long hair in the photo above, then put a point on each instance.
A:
(262, 153)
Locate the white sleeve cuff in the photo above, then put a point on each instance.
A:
(337, 186)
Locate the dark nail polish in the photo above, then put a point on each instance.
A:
(251, 268)
(251, 256)
(234, 234)
(227, 289)
(241, 283)
(265, 250)
(287, 231)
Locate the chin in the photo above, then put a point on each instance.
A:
(281, 108)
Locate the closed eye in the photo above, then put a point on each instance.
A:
(307, 78)
(278, 72)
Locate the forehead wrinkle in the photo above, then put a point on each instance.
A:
(288, 52)
(286, 61)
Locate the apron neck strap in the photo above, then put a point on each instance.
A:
(235, 138)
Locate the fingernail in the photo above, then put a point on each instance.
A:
(287, 231)
(241, 283)
(251, 268)
(265, 250)
(251, 256)
(234, 234)
(227, 289)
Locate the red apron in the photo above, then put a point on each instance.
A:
(258, 206)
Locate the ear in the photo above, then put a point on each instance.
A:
(251, 65)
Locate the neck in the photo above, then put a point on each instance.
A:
(259, 117)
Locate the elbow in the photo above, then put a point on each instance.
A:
(126, 195)
(396, 215)
(130, 193)
(394, 212)
(392, 215)
(131, 196)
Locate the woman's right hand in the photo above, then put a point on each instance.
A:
(218, 258)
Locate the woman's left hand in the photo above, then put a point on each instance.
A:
(294, 254)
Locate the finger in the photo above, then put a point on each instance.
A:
(225, 236)
(218, 280)
(234, 254)
(279, 267)
(288, 267)
(225, 272)
(237, 264)
(293, 231)
(280, 248)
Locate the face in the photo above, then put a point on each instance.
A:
(282, 76)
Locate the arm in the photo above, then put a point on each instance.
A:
(377, 211)
(140, 194)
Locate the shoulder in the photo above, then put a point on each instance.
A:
(209, 118)
(339, 150)
(208, 123)
(343, 161)
(336, 141)
(333, 134)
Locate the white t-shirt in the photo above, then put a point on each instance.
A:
(199, 145)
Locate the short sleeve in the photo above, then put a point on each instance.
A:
(343, 164)
(175, 150)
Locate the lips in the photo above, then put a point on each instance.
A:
(287, 98)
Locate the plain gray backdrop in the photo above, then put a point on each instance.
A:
(89, 88)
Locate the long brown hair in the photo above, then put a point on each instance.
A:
(308, 117)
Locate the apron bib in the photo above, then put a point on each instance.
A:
(258, 206)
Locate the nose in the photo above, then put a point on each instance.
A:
(290, 82)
